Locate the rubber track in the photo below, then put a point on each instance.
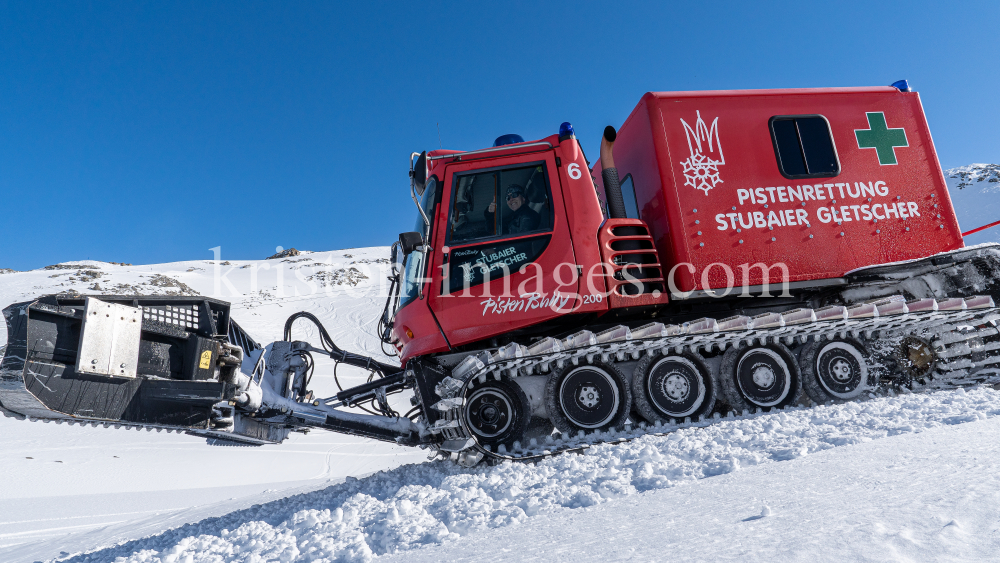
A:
(947, 331)
(212, 437)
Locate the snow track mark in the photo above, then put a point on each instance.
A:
(432, 503)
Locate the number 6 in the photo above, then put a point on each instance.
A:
(574, 171)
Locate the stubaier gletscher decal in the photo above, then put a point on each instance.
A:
(701, 169)
(880, 137)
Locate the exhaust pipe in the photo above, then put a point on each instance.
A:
(612, 185)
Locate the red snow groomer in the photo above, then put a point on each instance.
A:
(730, 251)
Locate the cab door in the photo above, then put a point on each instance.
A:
(507, 259)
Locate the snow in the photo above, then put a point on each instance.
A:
(897, 478)
(414, 506)
(929, 496)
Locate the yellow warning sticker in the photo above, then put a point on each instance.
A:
(206, 360)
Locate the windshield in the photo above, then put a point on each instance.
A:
(413, 269)
(427, 203)
(412, 277)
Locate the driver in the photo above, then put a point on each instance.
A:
(521, 219)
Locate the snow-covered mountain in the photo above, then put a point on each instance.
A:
(893, 478)
(975, 193)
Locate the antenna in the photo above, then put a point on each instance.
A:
(439, 136)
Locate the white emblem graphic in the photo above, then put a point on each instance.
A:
(701, 169)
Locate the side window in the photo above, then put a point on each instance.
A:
(628, 194)
(500, 203)
(804, 146)
(488, 206)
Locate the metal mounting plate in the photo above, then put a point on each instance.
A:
(109, 339)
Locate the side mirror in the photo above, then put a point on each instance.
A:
(418, 173)
(410, 241)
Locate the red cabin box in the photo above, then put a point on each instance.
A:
(823, 181)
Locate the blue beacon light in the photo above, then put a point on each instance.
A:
(901, 85)
(508, 139)
(566, 131)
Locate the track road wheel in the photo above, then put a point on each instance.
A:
(496, 412)
(915, 357)
(834, 370)
(670, 388)
(765, 377)
(588, 397)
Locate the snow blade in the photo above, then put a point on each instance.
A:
(153, 361)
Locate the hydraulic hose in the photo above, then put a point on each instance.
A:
(335, 352)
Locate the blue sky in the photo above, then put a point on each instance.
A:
(148, 132)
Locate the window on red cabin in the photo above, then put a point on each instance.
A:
(804, 147)
(628, 195)
(487, 208)
(499, 203)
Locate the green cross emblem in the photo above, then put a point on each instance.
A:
(878, 136)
